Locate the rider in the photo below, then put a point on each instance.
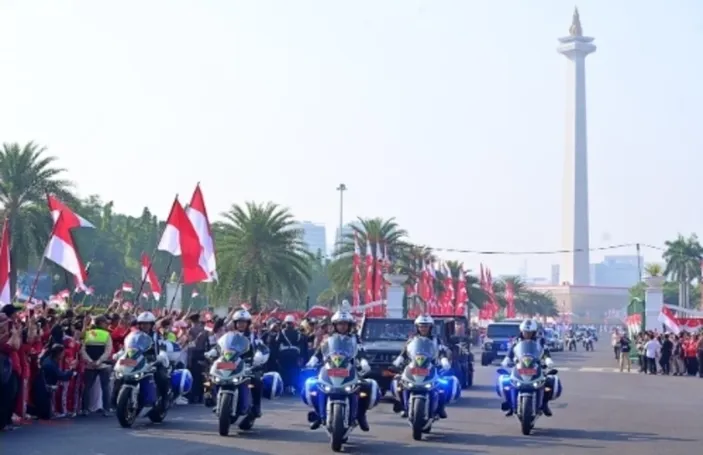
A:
(423, 328)
(528, 332)
(241, 321)
(342, 323)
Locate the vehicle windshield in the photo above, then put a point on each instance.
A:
(339, 344)
(234, 342)
(422, 346)
(503, 331)
(388, 329)
(139, 341)
(528, 348)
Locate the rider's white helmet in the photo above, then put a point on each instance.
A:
(424, 319)
(342, 316)
(290, 318)
(146, 317)
(241, 315)
(528, 325)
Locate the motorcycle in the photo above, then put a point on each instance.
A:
(232, 376)
(523, 387)
(421, 386)
(138, 395)
(588, 344)
(571, 344)
(334, 393)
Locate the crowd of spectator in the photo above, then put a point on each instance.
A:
(660, 353)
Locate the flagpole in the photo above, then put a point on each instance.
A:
(175, 293)
(151, 259)
(163, 281)
(43, 258)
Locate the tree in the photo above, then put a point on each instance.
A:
(378, 233)
(260, 254)
(683, 258)
(27, 174)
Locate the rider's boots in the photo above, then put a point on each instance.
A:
(545, 409)
(505, 406)
(314, 420)
(441, 410)
(256, 401)
(361, 414)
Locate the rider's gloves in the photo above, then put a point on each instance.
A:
(548, 362)
(398, 362)
(506, 362)
(445, 363)
(162, 358)
(260, 359)
(312, 363)
(211, 354)
(364, 365)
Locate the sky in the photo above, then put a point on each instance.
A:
(447, 115)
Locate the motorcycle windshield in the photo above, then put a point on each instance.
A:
(528, 348)
(340, 345)
(138, 342)
(422, 347)
(233, 342)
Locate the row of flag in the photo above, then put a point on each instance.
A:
(187, 235)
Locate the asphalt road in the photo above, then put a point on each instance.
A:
(601, 410)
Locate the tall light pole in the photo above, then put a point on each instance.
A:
(341, 188)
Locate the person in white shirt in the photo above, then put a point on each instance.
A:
(651, 352)
(616, 344)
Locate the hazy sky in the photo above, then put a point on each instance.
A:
(448, 115)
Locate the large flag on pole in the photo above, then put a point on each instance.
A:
(149, 276)
(180, 239)
(197, 213)
(62, 250)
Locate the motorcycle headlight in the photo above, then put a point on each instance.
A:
(348, 388)
(216, 380)
(428, 386)
(325, 388)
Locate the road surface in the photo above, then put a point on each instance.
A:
(601, 410)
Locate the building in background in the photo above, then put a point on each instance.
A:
(347, 230)
(314, 236)
(617, 271)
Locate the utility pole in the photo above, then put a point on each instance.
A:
(341, 188)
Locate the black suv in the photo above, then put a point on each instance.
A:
(383, 339)
(499, 336)
(455, 334)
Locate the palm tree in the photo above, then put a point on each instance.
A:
(260, 253)
(478, 297)
(654, 270)
(27, 174)
(683, 263)
(376, 232)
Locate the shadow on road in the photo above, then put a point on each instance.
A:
(470, 439)
(605, 435)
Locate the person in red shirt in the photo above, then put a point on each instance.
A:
(119, 329)
(10, 366)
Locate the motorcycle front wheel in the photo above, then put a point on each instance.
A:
(338, 427)
(527, 417)
(224, 414)
(419, 417)
(126, 412)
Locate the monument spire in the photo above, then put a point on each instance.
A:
(575, 267)
(575, 29)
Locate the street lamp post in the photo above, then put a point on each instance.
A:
(341, 188)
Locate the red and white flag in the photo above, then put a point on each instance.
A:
(180, 239)
(127, 287)
(197, 213)
(62, 250)
(5, 265)
(71, 219)
(149, 276)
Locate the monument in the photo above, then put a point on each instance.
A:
(575, 267)
(575, 295)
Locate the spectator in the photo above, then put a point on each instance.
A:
(652, 349)
(622, 353)
(667, 350)
(677, 362)
(47, 382)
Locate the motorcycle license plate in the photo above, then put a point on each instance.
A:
(225, 366)
(419, 371)
(338, 373)
(128, 362)
(527, 371)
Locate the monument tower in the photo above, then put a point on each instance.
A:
(575, 267)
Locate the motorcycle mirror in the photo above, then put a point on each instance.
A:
(502, 371)
(552, 372)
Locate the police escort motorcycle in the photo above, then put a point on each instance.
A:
(421, 386)
(334, 393)
(138, 395)
(524, 386)
(232, 377)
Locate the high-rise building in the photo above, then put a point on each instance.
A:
(575, 263)
(314, 236)
(617, 271)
